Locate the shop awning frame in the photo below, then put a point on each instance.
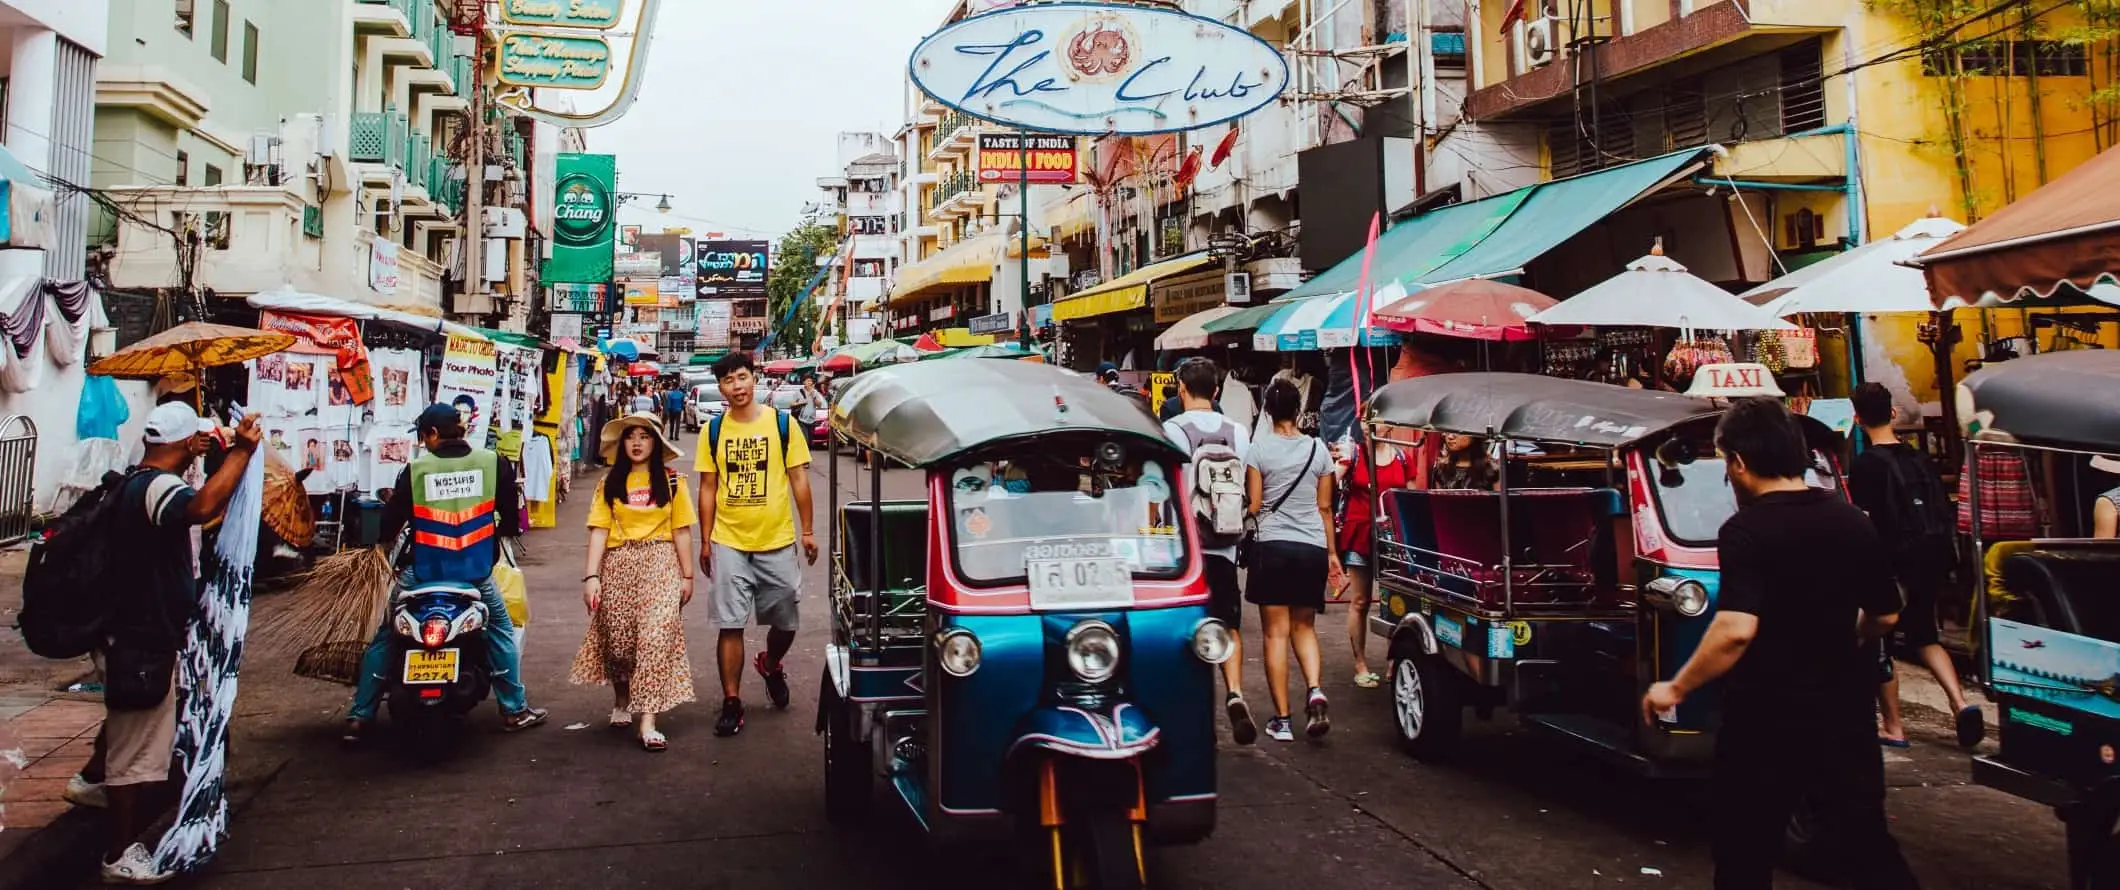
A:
(1126, 292)
(2064, 236)
(970, 261)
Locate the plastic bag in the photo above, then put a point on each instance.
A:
(514, 590)
(102, 410)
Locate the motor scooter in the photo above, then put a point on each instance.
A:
(440, 667)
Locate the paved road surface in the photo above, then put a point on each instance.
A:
(556, 807)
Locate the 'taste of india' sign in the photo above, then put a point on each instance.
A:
(597, 15)
(1098, 68)
(565, 63)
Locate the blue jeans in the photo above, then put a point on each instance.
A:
(505, 660)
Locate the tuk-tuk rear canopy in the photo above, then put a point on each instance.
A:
(1532, 408)
(928, 412)
(2059, 399)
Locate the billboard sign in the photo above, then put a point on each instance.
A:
(584, 219)
(714, 318)
(553, 62)
(1052, 158)
(642, 292)
(733, 268)
(1098, 68)
(595, 15)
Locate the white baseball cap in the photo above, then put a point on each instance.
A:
(172, 422)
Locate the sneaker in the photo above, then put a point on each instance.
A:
(1319, 722)
(136, 867)
(83, 793)
(776, 681)
(1278, 729)
(731, 721)
(1241, 727)
(523, 719)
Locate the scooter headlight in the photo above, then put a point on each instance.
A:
(1093, 651)
(958, 652)
(1211, 641)
(1685, 596)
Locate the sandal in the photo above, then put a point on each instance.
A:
(1368, 680)
(653, 742)
(621, 719)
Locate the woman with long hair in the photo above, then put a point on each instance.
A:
(1464, 463)
(1290, 487)
(1379, 466)
(639, 578)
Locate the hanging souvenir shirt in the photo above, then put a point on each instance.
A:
(312, 451)
(400, 385)
(302, 385)
(389, 452)
(342, 457)
(338, 411)
(280, 438)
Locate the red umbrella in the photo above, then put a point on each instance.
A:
(839, 362)
(928, 343)
(783, 366)
(643, 369)
(1473, 309)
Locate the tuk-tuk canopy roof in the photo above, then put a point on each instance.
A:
(928, 412)
(2059, 400)
(1533, 408)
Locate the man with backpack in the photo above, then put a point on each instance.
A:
(1914, 518)
(141, 607)
(754, 485)
(1216, 477)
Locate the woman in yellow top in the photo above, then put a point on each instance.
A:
(639, 578)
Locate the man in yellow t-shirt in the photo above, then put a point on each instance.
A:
(754, 484)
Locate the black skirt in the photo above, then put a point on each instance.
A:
(1285, 573)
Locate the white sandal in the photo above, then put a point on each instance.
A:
(621, 719)
(653, 742)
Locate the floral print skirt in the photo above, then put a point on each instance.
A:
(637, 636)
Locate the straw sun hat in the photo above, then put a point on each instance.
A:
(615, 431)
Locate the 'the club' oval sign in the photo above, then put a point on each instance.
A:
(1095, 68)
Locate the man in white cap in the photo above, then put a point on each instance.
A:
(153, 613)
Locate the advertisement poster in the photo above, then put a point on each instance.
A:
(470, 374)
(642, 292)
(342, 336)
(714, 317)
(1053, 159)
(584, 219)
(383, 267)
(733, 268)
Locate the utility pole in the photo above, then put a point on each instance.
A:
(1023, 228)
(475, 177)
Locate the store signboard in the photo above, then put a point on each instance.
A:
(584, 219)
(733, 268)
(1176, 298)
(1099, 68)
(941, 313)
(595, 15)
(1053, 159)
(997, 323)
(566, 326)
(638, 264)
(554, 62)
(714, 319)
(571, 297)
(642, 292)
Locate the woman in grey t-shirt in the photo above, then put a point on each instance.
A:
(1291, 494)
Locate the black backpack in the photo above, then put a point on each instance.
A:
(1922, 514)
(68, 586)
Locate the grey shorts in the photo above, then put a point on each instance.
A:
(762, 584)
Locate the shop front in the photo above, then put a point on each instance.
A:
(1117, 321)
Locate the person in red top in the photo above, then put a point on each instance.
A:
(1392, 467)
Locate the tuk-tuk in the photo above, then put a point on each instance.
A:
(1588, 573)
(2052, 618)
(1025, 651)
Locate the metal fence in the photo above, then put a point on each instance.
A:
(18, 474)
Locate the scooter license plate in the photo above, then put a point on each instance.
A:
(422, 667)
(1080, 583)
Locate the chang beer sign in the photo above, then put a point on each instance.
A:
(544, 60)
(584, 219)
(1098, 68)
(596, 15)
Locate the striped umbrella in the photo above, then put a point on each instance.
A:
(1327, 321)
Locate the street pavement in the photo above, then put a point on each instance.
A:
(571, 804)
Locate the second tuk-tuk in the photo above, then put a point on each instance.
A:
(2049, 608)
(1586, 575)
(1024, 651)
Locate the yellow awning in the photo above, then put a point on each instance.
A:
(955, 338)
(1128, 291)
(970, 261)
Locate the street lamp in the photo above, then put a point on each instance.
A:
(662, 203)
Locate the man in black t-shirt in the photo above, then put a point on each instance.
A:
(1907, 503)
(1806, 591)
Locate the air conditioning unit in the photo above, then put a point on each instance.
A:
(1540, 46)
(505, 222)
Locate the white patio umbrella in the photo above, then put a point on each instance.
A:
(1657, 292)
(1867, 279)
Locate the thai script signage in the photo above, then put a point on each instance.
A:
(1052, 158)
(598, 15)
(733, 268)
(1095, 68)
(564, 63)
(583, 219)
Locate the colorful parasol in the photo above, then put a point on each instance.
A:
(189, 347)
(287, 510)
(1472, 309)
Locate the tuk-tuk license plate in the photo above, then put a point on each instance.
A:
(1079, 583)
(423, 667)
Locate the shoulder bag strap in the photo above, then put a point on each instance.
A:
(1301, 472)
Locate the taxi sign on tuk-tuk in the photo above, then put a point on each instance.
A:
(1734, 380)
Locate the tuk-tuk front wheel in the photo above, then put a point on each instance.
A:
(847, 774)
(1098, 850)
(1427, 704)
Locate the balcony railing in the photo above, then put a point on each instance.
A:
(419, 160)
(948, 188)
(443, 188)
(460, 74)
(404, 7)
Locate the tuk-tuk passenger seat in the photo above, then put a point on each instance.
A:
(1556, 534)
(2070, 582)
(904, 537)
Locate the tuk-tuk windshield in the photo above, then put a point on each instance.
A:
(1695, 497)
(1012, 517)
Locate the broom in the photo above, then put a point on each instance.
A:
(330, 615)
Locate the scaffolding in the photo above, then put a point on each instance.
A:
(1328, 74)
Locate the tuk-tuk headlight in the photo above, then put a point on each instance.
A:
(1211, 641)
(1093, 651)
(1685, 596)
(958, 652)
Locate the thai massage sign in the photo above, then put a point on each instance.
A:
(565, 63)
(598, 15)
(1097, 68)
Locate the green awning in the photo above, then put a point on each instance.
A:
(1244, 319)
(512, 338)
(1499, 234)
(702, 359)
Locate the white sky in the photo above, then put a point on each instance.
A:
(742, 105)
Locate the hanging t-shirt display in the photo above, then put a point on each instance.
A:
(311, 450)
(400, 385)
(389, 453)
(302, 384)
(342, 457)
(280, 433)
